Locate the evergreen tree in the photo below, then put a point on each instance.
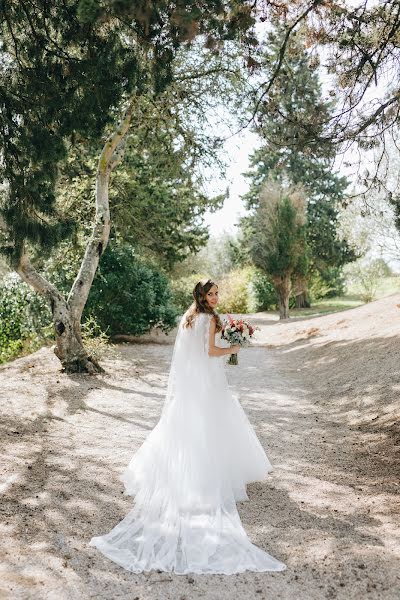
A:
(291, 123)
(278, 245)
(68, 70)
(156, 201)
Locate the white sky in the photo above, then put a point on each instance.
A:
(241, 146)
(238, 150)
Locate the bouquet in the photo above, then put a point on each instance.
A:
(237, 331)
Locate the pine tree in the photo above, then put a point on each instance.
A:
(278, 245)
(291, 123)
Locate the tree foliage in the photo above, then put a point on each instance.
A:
(61, 80)
(139, 294)
(66, 68)
(362, 48)
(278, 245)
(290, 124)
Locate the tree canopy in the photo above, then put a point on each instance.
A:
(65, 70)
(293, 151)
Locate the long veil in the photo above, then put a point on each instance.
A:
(189, 473)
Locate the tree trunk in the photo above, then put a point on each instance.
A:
(302, 300)
(67, 313)
(67, 330)
(69, 347)
(283, 288)
(301, 293)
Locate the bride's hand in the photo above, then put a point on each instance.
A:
(235, 349)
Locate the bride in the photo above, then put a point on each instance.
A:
(193, 467)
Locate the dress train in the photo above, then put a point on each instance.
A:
(189, 473)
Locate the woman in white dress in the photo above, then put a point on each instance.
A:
(193, 467)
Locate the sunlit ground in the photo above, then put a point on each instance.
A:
(387, 286)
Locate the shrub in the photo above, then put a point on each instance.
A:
(382, 266)
(24, 319)
(335, 280)
(235, 291)
(264, 293)
(182, 290)
(364, 277)
(129, 295)
(318, 288)
(96, 341)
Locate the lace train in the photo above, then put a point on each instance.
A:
(188, 475)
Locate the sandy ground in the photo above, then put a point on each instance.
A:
(323, 397)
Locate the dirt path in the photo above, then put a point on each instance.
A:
(329, 510)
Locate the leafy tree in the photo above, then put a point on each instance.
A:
(362, 49)
(68, 70)
(156, 199)
(290, 124)
(360, 45)
(279, 245)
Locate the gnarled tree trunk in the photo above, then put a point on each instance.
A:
(301, 293)
(283, 288)
(67, 313)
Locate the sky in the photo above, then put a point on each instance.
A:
(237, 151)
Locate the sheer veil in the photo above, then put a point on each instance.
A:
(190, 359)
(189, 473)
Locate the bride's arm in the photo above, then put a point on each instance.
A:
(214, 350)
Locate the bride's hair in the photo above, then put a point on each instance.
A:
(200, 304)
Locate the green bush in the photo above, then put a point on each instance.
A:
(364, 277)
(129, 295)
(24, 319)
(335, 280)
(264, 294)
(318, 288)
(235, 291)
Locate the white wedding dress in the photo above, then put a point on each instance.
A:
(189, 473)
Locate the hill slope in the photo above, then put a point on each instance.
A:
(350, 360)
